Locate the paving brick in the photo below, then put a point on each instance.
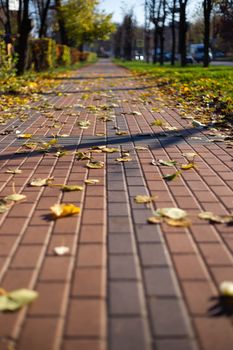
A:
(215, 254)
(180, 243)
(129, 296)
(215, 333)
(50, 306)
(128, 333)
(148, 233)
(160, 282)
(40, 334)
(86, 318)
(89, 282)
(73, 344)
(27, 256)
(120, 244)
(153, 254)
(91, 255)
(168, 318)
(55, 269)
(189, 267)
(175, 344)
(119, 225)
(124, 267)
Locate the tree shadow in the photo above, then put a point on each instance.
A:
(156, 141)
(222, 306)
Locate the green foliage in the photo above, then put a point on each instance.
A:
(63, 55)
(43, 53)
(7, 63)
(83, 22)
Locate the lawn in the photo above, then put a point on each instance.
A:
(209, 89)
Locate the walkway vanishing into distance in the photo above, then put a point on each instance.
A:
(124, 284)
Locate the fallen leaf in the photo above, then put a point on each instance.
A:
(136, 113)
(84, 124)
(62, 210)
(124, 159)
(157, 122)
(100, 134)
(226, 289)
(62, 250)
(69, 188)
(190, 156)
(178, 223)
(91, 181)
(187, 166)
(60, 154)
(16, 299)
(121, 133)
(83, 156)
(4, 206)
(95, 165)
(167, 163)
(143, 199)
(13, 171)
(208, 215)
(155, 220)
(170, 177)
(172, 213)
(15, 197)
(41, 182)
(140, 148)
(24, 136)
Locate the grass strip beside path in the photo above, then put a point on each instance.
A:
(207, 92)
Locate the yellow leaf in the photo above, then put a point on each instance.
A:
(187, 166)
(15, 197)
(24, 136)
(143, 199)
(121, 133)
(69, 188)
(157, 122)
(226, 289)
(13, 171)
(84, 124)
(41, 182)
(155, 220)
(4, 206)
(95, 165)
(124, 159)
(16, 299)
(91, 181)
(60, 154)
(140, 148)
(62, 210)
(208, 215)
(178, 223)
(170, 177)
(83, 155)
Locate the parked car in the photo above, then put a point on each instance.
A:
(197, 51)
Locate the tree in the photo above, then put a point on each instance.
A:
(80, 22)
(155, 11)
(24, 28)
(207, 8)
(42, 8)
(173, 10)
(128, 27)
(182, 31)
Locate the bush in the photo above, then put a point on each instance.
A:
(75, 55)
(63, 55)
(43, 53)
(7, 63)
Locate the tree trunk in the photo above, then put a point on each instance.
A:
(42, 30)
(155, 37)
(22, 45)
(161, 37)
(207, 6)
(61, 23)
(173, 29)
(182, 34)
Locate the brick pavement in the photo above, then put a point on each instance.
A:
(125, 284)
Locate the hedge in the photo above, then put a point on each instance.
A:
(45, 53)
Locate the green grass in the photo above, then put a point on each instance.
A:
(208, 87)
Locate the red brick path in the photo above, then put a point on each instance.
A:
(126, 285)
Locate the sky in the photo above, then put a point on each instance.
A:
(117, 7)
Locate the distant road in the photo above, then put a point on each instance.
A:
(221, 63)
